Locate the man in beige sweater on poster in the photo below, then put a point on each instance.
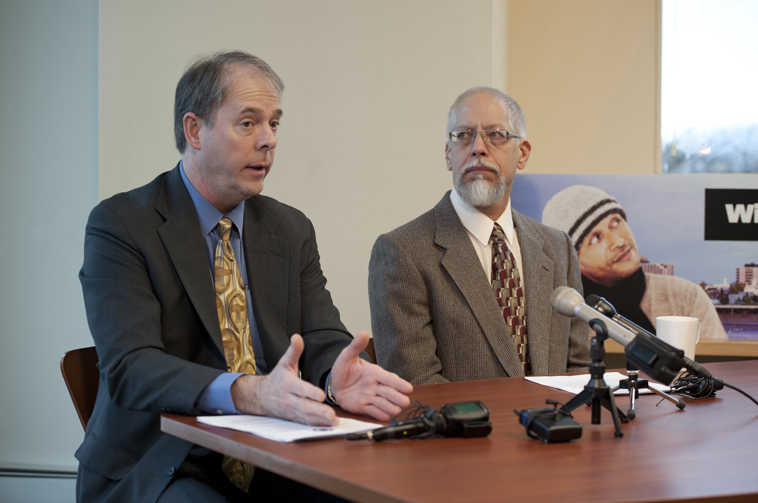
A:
(611, 265)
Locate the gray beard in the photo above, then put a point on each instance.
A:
(480, 193)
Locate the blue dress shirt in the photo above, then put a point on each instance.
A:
(217, 397)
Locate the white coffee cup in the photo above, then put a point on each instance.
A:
(682, 332)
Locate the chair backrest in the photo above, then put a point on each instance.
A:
(79, 369)
(370, 350)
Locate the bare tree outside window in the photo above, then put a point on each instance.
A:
(709, 86)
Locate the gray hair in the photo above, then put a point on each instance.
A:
(512, 109)
(202, 88)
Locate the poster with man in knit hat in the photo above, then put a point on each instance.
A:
(656, 245)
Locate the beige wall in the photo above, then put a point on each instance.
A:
(587, 75)
(368, 85)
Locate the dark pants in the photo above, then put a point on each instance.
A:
(200, 478)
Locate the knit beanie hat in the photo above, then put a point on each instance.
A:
(577, 209)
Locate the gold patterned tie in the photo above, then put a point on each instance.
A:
(231, 305)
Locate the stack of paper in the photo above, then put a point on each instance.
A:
(575, 384)
(282, 430)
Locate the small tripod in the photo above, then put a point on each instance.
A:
(633, 383)
(597, 393)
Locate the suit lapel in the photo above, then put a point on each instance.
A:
(538, 281)
(463, 266)
(266, 262)
(182, 238)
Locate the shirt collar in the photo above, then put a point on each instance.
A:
(479, 224)
(206, 212)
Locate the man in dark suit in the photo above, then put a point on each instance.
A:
(463, 291)
(166, 337)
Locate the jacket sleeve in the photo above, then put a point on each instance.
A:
(126, 319)
(579, 343)
(323, 332)
(401, 318)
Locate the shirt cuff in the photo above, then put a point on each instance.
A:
(216, 398)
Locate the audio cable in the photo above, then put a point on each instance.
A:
(694, 386)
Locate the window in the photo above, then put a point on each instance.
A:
(709, 86)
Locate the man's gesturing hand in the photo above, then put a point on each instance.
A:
(282, 393)
(364, 388)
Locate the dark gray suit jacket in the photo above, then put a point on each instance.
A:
(152, 313)
(434, 315)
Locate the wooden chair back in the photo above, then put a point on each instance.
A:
(79, 369)
(370, 350)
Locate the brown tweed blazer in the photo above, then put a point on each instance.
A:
(434, 315)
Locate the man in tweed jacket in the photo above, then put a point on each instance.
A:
(434, 314)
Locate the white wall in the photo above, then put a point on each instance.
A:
(35, 490)
(48, 183)
(368, 85)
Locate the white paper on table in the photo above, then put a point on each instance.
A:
(576, 383)
(282, 430)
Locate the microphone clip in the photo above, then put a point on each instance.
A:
(696, 386)
(549, 425)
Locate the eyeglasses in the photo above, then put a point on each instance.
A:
(463, 137)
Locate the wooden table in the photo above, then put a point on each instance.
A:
(707, 452)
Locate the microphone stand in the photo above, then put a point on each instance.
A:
(633, 383)
(597, 393)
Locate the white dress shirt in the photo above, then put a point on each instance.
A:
(479, 229)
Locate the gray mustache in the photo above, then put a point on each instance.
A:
(481, 164)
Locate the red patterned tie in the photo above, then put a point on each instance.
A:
(506, 282)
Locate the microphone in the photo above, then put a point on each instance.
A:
(604, 306)
(402, 430)
(461, 419)
(569, 302)
(656, 358)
